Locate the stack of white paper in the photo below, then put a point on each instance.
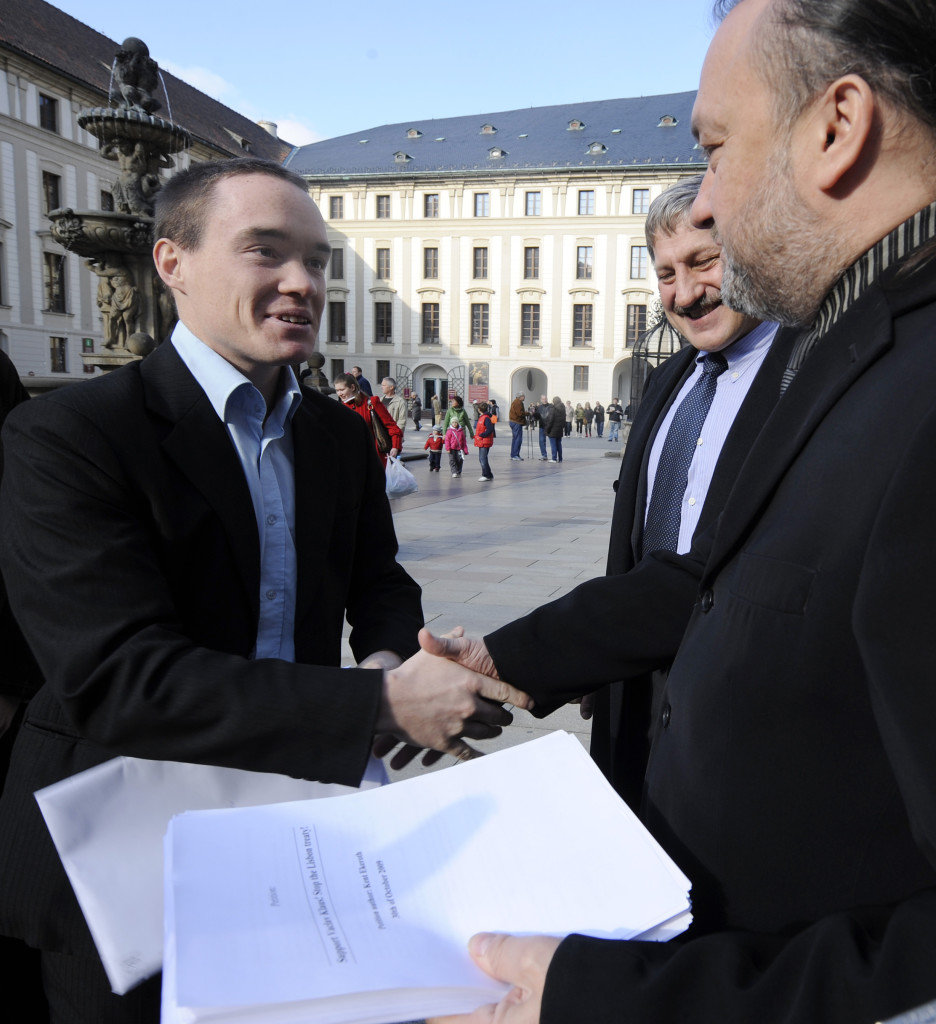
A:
(108, 825)
(359, 908)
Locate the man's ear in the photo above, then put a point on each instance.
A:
(841, 128)
(167, 256)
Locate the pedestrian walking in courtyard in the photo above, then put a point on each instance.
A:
(517, 416)
(579, 419)
(456, 446)
(588, 416)
(599, 418)
(556, 428)
(569, 418)
(456, 414)
(388, 439)
(484, 439)
(615, 415)
(416, 412)
(434, 445)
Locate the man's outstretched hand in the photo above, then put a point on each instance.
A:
(470, 652)
(436, 702)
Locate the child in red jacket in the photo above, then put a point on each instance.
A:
(435, 443)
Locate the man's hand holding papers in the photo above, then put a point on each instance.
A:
(521, 961)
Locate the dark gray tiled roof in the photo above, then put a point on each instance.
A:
(61, 42)
(627, 133)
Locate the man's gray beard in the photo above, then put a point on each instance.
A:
(787, 267)
(744, 293)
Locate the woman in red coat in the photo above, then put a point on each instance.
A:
(346, 387)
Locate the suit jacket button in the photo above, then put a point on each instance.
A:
(667, 712)
(708, 599)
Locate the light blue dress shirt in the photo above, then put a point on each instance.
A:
(744, 360)
(264, 446)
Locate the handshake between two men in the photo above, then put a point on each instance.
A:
(446, 693)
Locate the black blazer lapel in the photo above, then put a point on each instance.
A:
(852, 346)
(198, 443)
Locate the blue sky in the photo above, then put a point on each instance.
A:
(321, 69)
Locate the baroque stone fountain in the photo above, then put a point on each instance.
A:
(136, 310)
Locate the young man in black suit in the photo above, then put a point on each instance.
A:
(182, 586)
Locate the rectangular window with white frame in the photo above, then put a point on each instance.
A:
(53, 280)
(530, 323)
(383, 324)
(431, 205)
(480, 261)
(586, 202)
(51, 192)
(48, 113)
(336, 207)
(430, 261)
(430, 323)
(534, 205)
(58, 355)
(383, 207)
(583, 262)
(638, 269)
(480, 317)
(579, 378)
(582, 325)
(383, 264)
(636, 322)
(640, 203)
(482, 204)
(337, 323)
(336, 264)
(531, 268)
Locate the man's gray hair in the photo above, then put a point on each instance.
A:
(807, 45)
(390, 381)
(670, 210)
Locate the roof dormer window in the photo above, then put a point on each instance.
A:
(667, 121)
(496, 153)
(488, 129)
(575, 125)
(414, 133)
(597, 148)
(401, 157)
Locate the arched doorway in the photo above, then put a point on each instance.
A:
(532, 381)
(431, 380)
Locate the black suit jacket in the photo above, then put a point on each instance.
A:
(632, 620)
(793, 771)
(132, 559)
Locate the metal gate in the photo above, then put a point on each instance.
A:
(456, 382)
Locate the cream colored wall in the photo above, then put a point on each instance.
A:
(558, 231)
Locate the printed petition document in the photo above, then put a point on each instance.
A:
(359, 908)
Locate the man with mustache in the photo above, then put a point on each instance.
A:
(630, 621)
(793, 774)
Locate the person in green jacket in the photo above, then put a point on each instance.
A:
(456, 413)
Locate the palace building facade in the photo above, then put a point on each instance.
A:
(497, 253)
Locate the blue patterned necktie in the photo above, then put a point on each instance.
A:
(672, 475)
